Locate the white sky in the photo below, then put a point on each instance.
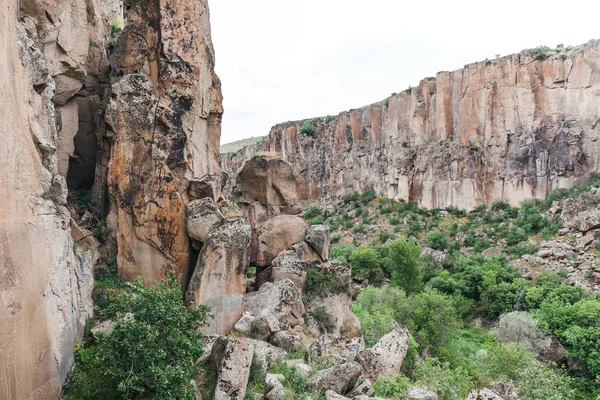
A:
(283, 60)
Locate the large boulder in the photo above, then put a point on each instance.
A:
(573, 207)
(318, 238)
(341, 320)
(364, 389)
(420, 394)
(269, 181)
(203, 217)
(588, 220)
(219, 280)
(483, 394)
(287, 265)
(207, 186)
(264, 353)
(386, 356)
(548, 349)
(278, 304)
(278, 234)
(340, 379)
(232, 359)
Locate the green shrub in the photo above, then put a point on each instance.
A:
(335, 239)
(395, 221)
(342, 252)
(385, 236)
(309, 128)
(367, 195)
(542, 52)
(81, 199)
(376, 309)
(293, 380)
(437, 240)
(448, 383)
(364, 259)
(312, 212)
(404, 262)
(152, 351)
(318, 220)
(392, 387)
(101, 231)
(350, 197)
(320, 283)
(358, 228)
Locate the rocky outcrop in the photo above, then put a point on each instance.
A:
(232, 359)
(341, 378)
(505, 129)
(164, 117)
(386, 356)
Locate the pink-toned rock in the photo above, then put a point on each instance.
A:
(278, 234)
(267, 181)
(386, 356)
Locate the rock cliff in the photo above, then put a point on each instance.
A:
(505, 129)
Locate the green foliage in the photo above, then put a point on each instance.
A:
(376, 309)
(309, 128)
(385, 236)
(293, 380)
(404, 263)
(319, 283)
(358, 228)
(318, 220)
(367, 195)
(437, 240)
(342, 252)
(531, 220)
(335, 239)
(393, 387)
(364, 259)
(81, 199)
(329, 118)
(447, 382)
(350, 197)
(312, 212)
(115, 29)
(151, 352)
(101, 231)
(542, 52)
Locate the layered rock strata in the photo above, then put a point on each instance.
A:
(505, 129)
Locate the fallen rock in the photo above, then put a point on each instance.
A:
(439, 256)
(491, 251)
(506, 390)
(269, 181)
(219, 280)
(277, 234)
(208, 344)
(336, 309)
(364, 389)
(420, 394)
(572, 207)
(340, 379)
(306, 253)
(232, 360)
(208, 186)
(244, 324)
(287, 265)
(203, 217)
(278, 303)
(548, 349)
(584, 241)
(588, 220)
(286, 340)
(103, 328)
(331, 395)
(318, 238)
(386, 356)
(265, 353)
(483, 394)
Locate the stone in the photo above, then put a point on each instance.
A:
(340, 378)
(268, 181)
(343, 323)
(208, 342)
(232, 359)
(420, 394)
(386, 356)
(265, 353)
(548, 349)
(278, 234)
(331, 395)
(318, 238)
(364, 389)
(103, 328)
(244, 324)
(300, 366)
(207, 186)
(505, 389)
(483, 394)
(287, 341)
(491, 251)
(219, 279)
(287, 265)
(588, 220)
(584, 241)
(273, 380)
(572, 207)
(438, 255)
(278, 303)
(203, 217)
(306, 253)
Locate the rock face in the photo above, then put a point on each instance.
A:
(505, 129)
(164, 118)
(219, 279)
(232, 360)
(45, 288)
(386, 356)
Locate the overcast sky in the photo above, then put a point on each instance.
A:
(282, 60)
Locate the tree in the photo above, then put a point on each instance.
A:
(152, 351)
(437, 240)
(404, 262)
(364, 259)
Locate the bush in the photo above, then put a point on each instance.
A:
(358, 228)
(152, 351)
(448, 383)
(518, 327)
(318, 220)
(350, 197)
(309, 128)
(437, 240)
(312, 212)
(404, 262)
(101, 231)
(364, 259)
(393, 387)
(376, 310)
(367, 195)
(319, 283)
(542, 52)
(342, 252)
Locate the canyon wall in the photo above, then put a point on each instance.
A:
(505, 129)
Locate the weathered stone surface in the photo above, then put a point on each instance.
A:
(306, 253)
(364, 389)
(588, 220)
(279, 304)
(548, 349)
(428, 144)
(331, 395)
(219, 279)
(420, 394)
(438, 255)
(203, 217)
(386, 356)
(278, 234)
(339, 309)
(265, 353)
(232, 360)
(103, 328)
(318, 238)
(270, 182)
(244, 324)
(287, 265)
(287, 341)
(483, 394)
(506, 390)
(208, 186)
(300, 366)
(340, 379)
(573, 206)
(164, 118)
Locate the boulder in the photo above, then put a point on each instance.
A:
(277, 234)
(269, 181)
(483, 394)
(279, 304)
(341, 321)
(492, 251)
(207, 186)
(584, 241)
(287, 265)
(364, 389)
(340, 378)
(386, 356)
(219, 280)
(265, 353)
(331, 395)
(208, 344)
(300, 366)
(287, 341)
(506, 390)
(439, 256)
(103, 328)
(548, 349)
(244, 324)
(203, 217)
(588, 220)
(232, 359)
(306, 253)
(420, 394)
(573, 207)
(318, 238)
(263, 277)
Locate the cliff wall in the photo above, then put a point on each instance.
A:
(505, 129)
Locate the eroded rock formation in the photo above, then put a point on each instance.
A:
(505, 129)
